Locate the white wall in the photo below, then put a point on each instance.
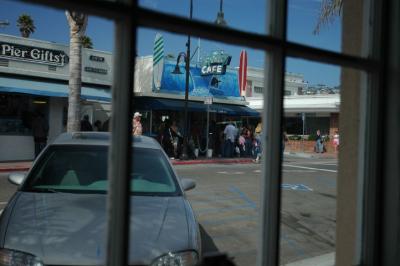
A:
(16, 148)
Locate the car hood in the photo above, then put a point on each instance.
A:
(66, 228)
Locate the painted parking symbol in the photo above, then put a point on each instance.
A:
(298, 187)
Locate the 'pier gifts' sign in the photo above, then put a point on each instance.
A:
(33, 54)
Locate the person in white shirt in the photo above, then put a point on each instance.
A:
(230, 133)
(137, 125)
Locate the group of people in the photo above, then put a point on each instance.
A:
(319, 146)
(97, 126)
(241, 142)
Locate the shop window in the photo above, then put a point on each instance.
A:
(17, 112)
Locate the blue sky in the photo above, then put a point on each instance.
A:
(51, 25)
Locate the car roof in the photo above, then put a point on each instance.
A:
(101, 139)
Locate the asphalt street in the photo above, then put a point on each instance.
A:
(227, 202)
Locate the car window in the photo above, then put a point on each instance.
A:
(84, 169)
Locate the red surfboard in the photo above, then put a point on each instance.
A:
(243, 73)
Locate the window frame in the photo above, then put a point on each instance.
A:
(128, 16)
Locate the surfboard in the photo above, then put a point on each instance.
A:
(243, 73)
(158, 61)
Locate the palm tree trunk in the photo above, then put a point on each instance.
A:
(77, 23)
(75, 83)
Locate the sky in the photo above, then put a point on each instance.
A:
(51, 25)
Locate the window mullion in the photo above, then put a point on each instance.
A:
(119, 162)
(272, 120)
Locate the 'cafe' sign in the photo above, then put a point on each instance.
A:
(33, 54)
(215, 64)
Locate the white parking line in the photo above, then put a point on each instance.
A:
(3, 202)
(311, 168)
(230, 173)
(298, 171)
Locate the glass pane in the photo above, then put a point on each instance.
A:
(36, 65)
(320, 24)
(310, 164)
(226, 197)
(246, 16)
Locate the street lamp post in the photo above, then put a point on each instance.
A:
(187, 67)
(220, 16)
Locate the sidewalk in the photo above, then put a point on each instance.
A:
(23, 166)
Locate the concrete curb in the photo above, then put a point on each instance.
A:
(310, 155)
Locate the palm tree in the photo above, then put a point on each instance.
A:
(329, 10)
(25, 25)
(87, 42)
(77, 23)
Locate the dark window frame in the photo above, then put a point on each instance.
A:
(128, 17)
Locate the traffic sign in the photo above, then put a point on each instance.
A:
(208, 100)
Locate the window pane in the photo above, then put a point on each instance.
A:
(36, 65)
(246, 16)
(316, 127)
(320, 24)
(226, 197)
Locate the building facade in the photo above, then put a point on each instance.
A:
(36, 73)
(303, 113)
(34, 79)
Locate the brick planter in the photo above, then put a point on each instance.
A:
(307, 146)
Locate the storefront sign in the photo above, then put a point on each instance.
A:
(96, 70)
(33, 54)
(96, 58)
(215, 64)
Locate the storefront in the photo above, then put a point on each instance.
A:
(34, 80)
(213, 92)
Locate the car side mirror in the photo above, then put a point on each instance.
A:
(16, 178)
(188, 184)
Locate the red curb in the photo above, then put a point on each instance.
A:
(211, 161)
(174, 162)
(15, 169)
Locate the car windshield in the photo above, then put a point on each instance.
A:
(83, 169)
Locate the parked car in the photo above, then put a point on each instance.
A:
(58, 214)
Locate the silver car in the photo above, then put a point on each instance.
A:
(58, 215)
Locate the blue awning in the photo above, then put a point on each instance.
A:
(148, 103)
(50, 89)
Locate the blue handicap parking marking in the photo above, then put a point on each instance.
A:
(298, 187)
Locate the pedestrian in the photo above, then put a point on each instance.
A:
(97, 125)
(85, 124)
(284, 140)
(319, 147)
(137, 125)
(242, 144)
(40, 129)
(336, 141)
(230, 133)
(106, 125)
(257, 148)
(248, 142)
(167, 140)
(177, 139)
